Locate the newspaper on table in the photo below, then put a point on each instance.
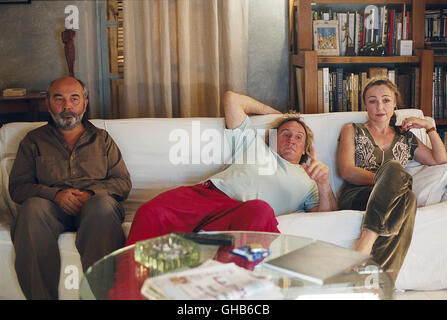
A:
(211, 281)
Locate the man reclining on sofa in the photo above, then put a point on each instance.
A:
(245, 196)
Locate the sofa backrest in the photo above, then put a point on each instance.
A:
(152, 146)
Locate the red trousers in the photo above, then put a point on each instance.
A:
(201, 206)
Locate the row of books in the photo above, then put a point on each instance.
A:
(435, 31)
(439, 102)
(380, 25)
(435, 24)
(341, 91)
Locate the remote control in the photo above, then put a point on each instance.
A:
(207, 238)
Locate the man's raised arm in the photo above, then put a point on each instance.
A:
(238, 106)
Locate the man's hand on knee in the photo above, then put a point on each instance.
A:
(68, 200)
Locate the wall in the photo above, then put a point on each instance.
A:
(31, 49)
(32, 53)
(268, 59)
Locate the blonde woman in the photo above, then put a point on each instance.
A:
(371, 159)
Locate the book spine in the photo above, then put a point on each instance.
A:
(365, 40)
(331, 96)
(385, 26)
(356, 92)
(333, 107)
(320, 90)
(404, 22)
(351, 27)
(364, 79)
(342, 20)
(345, 95)
(391, 33)
(360, 31)
(339, 84)
(392, 75)
(325, 89)
(356, 33)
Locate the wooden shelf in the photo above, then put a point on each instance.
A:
(369, 60)
(441, 122)
(440, 59)
(297, 60)
(436, 2)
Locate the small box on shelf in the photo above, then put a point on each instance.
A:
(14, 92)
(405, 47)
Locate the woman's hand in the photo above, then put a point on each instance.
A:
(423, 154)
(416, 123)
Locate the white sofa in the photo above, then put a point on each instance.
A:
(146, 145)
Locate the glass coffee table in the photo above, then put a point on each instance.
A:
(119, 276)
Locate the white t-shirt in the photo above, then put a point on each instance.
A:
(257, 172)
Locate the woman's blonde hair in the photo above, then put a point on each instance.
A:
(287, 117)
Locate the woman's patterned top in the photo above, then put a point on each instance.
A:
(369, 156)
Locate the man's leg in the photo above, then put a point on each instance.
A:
(178, 210)
(99, 229)
(252, 215)
(34, 234)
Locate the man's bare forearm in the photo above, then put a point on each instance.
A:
(238, 106)
(327, 198)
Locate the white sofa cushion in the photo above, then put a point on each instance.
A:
(430, 184)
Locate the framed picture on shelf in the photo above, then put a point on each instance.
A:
(326, 37)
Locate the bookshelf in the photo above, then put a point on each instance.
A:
(435, 37)
(305, 58)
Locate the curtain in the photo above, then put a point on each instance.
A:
(182, 55)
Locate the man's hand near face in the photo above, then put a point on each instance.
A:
(319, 172)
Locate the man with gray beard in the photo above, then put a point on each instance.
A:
(68, 175)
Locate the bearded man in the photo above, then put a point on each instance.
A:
(68, 175)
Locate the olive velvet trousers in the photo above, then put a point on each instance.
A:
(390, 206)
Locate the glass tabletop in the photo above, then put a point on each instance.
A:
(119, 276)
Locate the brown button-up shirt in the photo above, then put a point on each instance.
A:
(45, 164)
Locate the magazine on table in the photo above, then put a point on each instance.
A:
(317, 262)
(212, 280)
